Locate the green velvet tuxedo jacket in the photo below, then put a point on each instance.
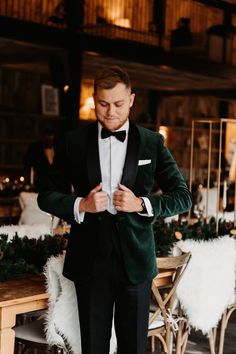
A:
(77, 164)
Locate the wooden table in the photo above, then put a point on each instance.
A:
(18, 296)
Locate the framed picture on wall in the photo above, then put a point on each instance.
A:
(50, 100)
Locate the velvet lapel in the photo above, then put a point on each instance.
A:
(93, 163)
(132, 156)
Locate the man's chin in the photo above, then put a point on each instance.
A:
(111, 124)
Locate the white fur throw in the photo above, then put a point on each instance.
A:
(62, 321)
(31, 231)
(208, 284)
(31, 213)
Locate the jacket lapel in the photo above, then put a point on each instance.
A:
(132, 156)
(131, 161)
(93, 163)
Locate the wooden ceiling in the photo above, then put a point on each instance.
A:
(159, 77)
(24, 56)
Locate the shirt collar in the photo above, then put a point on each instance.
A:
(125, 127)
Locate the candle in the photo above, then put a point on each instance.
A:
(32, 176)
(224, 204)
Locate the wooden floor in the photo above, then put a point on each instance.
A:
(198, 344)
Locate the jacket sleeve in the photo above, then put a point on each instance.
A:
(175, 197)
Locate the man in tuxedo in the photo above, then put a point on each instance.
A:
(113, 165)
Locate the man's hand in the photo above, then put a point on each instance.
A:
(125, 200)
(95, 202)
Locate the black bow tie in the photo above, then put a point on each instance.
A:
(120, 135)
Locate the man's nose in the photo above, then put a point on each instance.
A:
(110, 109)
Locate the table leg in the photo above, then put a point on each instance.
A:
(7, 334)
(7, 340)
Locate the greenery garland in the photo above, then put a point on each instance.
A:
(24, 255)
(167, 234)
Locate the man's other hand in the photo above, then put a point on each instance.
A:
(95, 202)
(125, 200)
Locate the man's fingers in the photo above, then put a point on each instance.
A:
(117, 194)
(123, 187)
(97, 188)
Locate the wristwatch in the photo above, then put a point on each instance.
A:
(144, 210)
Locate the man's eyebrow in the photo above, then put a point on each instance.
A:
(119, 101)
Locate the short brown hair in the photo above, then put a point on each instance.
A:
(109, 77)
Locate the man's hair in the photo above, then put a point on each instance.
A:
(110, 77)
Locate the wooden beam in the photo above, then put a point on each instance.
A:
(219, 4)
(220, 93)
(74, 17)
(33, 33)
(74, 10)
(50, 37)
(139, 52)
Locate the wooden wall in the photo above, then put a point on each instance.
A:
(21, 118)
(29, 10)
(202, 17)
(138, 12)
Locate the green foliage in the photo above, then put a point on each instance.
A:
(167, 234)
(24, 255)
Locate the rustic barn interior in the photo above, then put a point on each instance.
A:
(181, 56)
(63, 45)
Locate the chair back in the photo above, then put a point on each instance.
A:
(162, 319)
(62, 326)
(207, 287)
(171, 270)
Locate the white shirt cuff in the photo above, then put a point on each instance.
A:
(148, 206)
(79, 216)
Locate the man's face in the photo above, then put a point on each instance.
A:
(112, 106)
(48, 140)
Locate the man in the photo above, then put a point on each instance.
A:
(38, 158)
(112, 165)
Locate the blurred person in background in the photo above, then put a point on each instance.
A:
(38, 159)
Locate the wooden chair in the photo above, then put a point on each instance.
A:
(46, 333)
(206, 299)
(31, 336)
(164, 317)
(59, 331)
(223, 325)
(216, 334)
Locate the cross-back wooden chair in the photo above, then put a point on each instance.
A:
(207, 304)
(223, 325)
(163, 318)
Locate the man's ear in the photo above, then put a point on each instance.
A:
(132, 97)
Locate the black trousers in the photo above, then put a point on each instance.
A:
(107, 294)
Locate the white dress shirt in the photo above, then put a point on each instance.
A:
(112, 154)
